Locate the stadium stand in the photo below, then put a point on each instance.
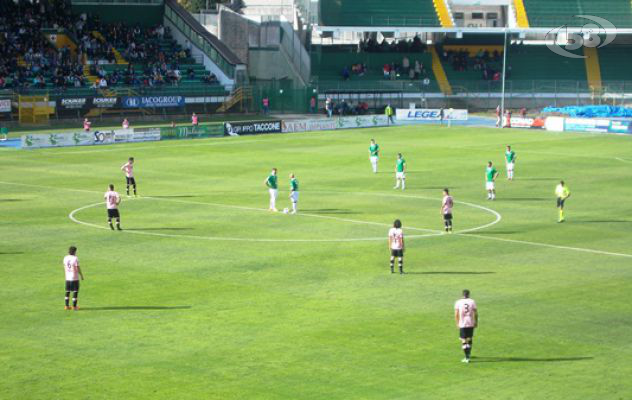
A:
(340, 63)
(547, 13)
(95, 57)
(378, 13)
(615, 62)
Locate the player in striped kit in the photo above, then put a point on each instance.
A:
(396, 245)
(446, 210)
(466, 317)
(73, 273)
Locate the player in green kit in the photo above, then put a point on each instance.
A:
(400, 172)
(510, 157)
(490, 177)
(374, 154)
(294, 193)
(562, 192)
(273, 188)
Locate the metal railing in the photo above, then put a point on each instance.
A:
(214, 49)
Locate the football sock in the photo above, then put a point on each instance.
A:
(403, 184)
(447, 225)
(67, 298)
(401, 266)
(134, 190)
(111, 226)
(450, 224)
(561, 214)
(127, 190)
(392, 264)
(74, 298)
(294, 207)
(118, 225)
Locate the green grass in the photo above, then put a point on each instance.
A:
(169, 313)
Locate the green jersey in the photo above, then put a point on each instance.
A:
(400, 164)
(510, 156)
(374, 149)
(490, 173)
(293, 185)
(272, 182)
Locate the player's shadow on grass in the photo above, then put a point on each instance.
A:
(180, 196)
(2, 253)
(539, 179)
(10, 200)
(330, 211)
(158, 229)
(604, 221)
(135, 308)
(528, 359)
(451, 273)
(527, 198)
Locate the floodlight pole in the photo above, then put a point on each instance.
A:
(502, 94)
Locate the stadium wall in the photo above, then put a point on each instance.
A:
(131, 14)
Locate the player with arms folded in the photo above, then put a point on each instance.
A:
(128, 167)
(446, 209)
(400, 172)
(374, 154)
(73, 273)
(112, 201)
(396, 245)
(466, 317)
(510, 157)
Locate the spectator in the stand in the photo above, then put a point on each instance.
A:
(387, 71)
(329, 107)
(194, 119)
(405, 64)
(266, 105)
(86, 125)
(103, 83)
(411, 73)
(312, 105)
(523, 112)
(125, 124)
(345, 73)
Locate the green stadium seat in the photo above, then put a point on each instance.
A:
(547, 13)
(378, 13)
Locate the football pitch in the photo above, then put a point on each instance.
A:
(207, 295)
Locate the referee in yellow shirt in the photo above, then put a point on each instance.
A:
(562, 192)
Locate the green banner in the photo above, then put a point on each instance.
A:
(190, 131)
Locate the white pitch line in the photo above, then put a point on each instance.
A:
(623, 160)
(355, 221)
(460, 233)
(608, 253)
(213, 238)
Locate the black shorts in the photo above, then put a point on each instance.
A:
(113, 213)
(447, 216)
(72, 286)
(130, 181)
(397, 253)
(465, 333)
(560, 202)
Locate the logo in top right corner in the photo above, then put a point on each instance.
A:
(598, 33)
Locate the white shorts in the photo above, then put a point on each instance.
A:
(510, 166)
(294, 197)
(273, 193)
(400, 175)
(490, 186)
(373, 159)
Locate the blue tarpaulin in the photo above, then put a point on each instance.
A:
(591, 111)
